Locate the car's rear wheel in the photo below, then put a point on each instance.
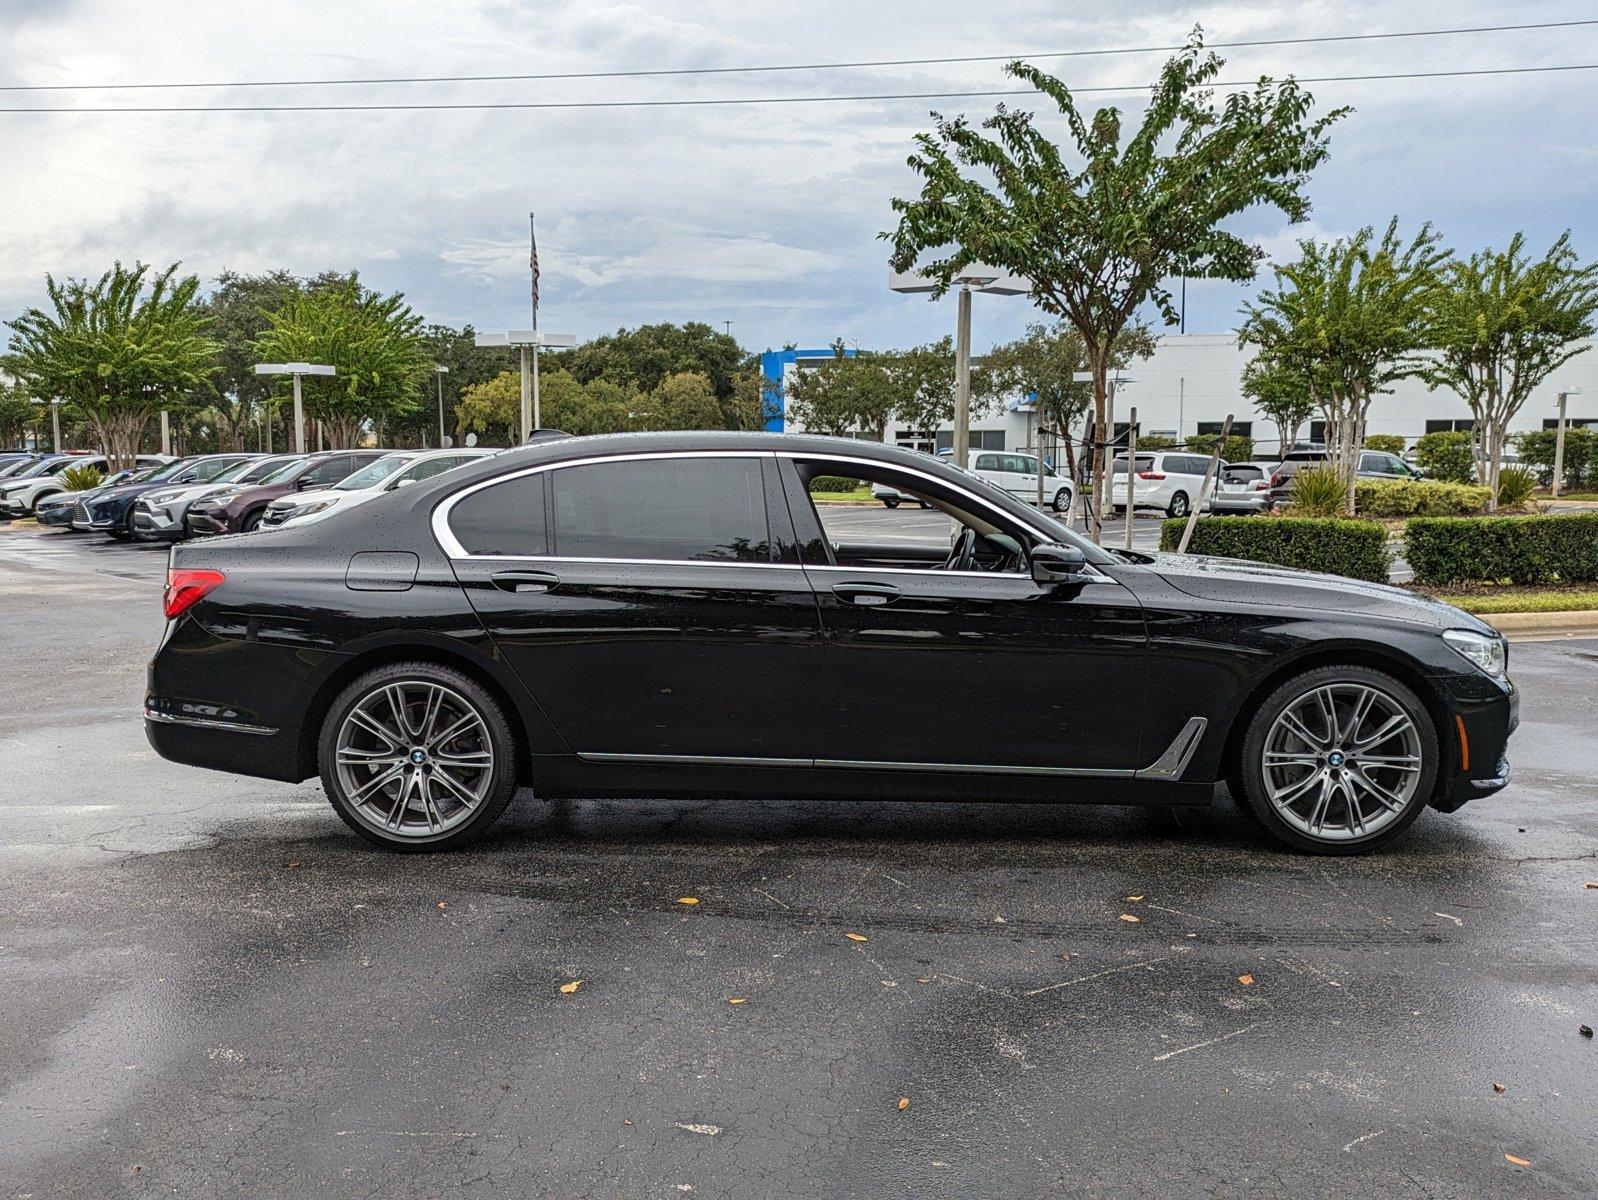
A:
(416, 756)
(1178, 506)
(1062, 500)
(1339, 760)
(890, 501)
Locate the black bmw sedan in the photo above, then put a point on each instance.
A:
(674, 615)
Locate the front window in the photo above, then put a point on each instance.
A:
(283, 473)
(699, 509)
(374, 473)
(427, 468)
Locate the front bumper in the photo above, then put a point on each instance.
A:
(157, 524)
(206, 524)
(54, 514)
(1482, 716)
(85, 518)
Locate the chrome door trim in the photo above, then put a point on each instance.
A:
(1168, 768)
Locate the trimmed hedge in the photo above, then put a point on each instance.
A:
(1390, 443)
(833, 483)
(1330, 545)
(1552, 549)
(1418, 498)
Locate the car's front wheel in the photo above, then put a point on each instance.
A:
(890, 502)
(416, 756)
(1062, 500)
(1339, 760)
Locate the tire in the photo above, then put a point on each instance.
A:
(412, 809)
(1062, 501)
(252, 521)
(890, 502)
(923, 504)
(1178, 506)
(1322, 772)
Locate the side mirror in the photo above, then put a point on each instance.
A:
(402, 481)
(1056, 563)
(305, 483)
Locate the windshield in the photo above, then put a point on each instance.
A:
(237, 472)
(282, 474)
(374, 474)
(171, 469)
(258, 472)
(38, 468)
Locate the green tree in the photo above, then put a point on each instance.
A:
(493, 408)
(1279, 393)
(18, 414)
(1448, 455)
(641, 359)
(468, 365)
(1043, 363)
(1501, 323)
(1350, 317)
(683, 401)
(121, 349)
(1101, 235)
(846, 393)
(374, 342)
(750, 404)
(238, 309)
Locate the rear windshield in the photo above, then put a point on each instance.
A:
(1145, 462)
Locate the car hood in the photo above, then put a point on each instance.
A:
(189, 495)
(1238, 580)
(295, 499)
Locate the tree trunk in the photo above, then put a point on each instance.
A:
(1097, 451)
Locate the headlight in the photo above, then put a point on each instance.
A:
(1486, 652)
(222, 501)
(305, 510)
(156, 498)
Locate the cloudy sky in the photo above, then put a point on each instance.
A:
(766, 215)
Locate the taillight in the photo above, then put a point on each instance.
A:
(1150, 475)
(184, 589)
(1276, 481)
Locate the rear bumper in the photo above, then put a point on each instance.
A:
(1253, 502)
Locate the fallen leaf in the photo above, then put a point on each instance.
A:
(1519, 1162)
(1134, 899)
(1130, 917)
(1245, 980)
(904, 1103)
(1591, 887)
(1498, 1087)
(688, 900)
(295, 866)
(442, 906)
(857, 937)
(925, 979)
(736, 1000)
(1584, 1030)
(568, 988)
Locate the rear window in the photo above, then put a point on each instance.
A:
(505, 519)
(1242, 474)
(700, 509)
(1145, 462)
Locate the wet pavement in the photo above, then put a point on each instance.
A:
(209, 987)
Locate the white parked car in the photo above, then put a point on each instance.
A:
(392, 471)
(1016, 474)
(23, 491)
(1166, 479)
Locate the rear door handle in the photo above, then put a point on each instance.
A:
(525, 581)
(867, 594)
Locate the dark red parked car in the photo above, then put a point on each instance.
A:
(239, 510)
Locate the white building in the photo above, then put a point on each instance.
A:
(1192, 381)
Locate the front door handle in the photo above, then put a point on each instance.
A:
(525, 581)
(867, 594)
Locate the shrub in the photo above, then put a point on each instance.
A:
(1581, 453)
(1449, 456)
(1155, 441)
(1515, 486)
(1552, 549)
(80, 479)
(1417, 498)
(833, 483)
(1317, 492)
(1238, 448)
(1331, 545)
(1391, 443)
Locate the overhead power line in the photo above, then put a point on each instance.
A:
(730, 100)
(823, 66)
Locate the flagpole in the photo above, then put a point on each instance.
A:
(532, 235)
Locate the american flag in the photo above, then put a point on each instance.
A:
(532, 262)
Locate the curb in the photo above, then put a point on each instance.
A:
(1544, 624)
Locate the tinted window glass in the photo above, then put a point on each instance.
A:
(506, 519)
(988, 462)
(329, 470)
(706, 509)
(429, 467)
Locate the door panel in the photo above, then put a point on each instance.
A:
(931, 667)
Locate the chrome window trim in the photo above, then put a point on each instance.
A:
(453, 549)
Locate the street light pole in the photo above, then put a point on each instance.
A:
(55, 424)
(962, 378)
(298, 370)
(1559, 442)
(440, 370)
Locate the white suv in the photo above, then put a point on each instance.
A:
(383, 475)
(1014, 473)
(1166, 479)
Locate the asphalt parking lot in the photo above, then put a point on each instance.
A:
(209, 987)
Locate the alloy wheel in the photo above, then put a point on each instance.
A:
(1342, 762)
(413, 759)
